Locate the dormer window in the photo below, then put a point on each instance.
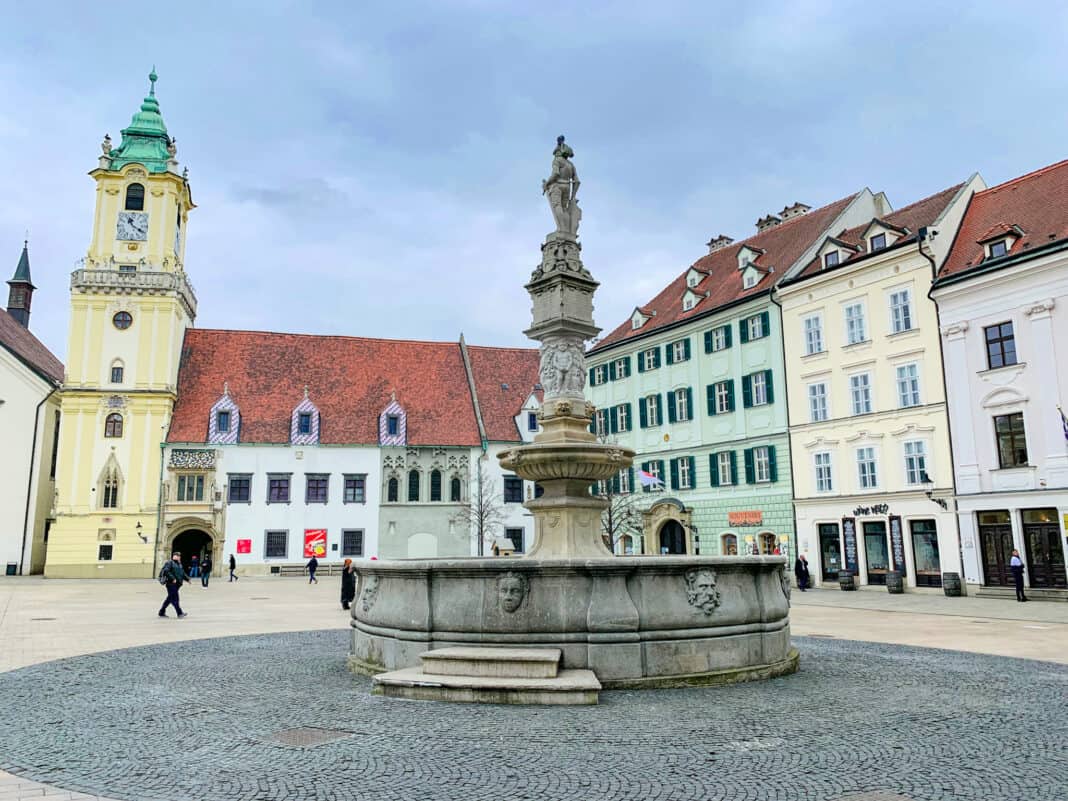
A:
(877, 242)
(222, 421)
(393, 425)
(999, 248)
(687, 304)
(304, 423)
(830, 259)
(636, 323)
(691, 280)
(749, 281)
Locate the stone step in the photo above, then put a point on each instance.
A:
(568, 687)
(1032, 593)
(516, 663)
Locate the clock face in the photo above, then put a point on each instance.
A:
(132, 226)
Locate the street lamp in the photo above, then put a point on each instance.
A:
(929, 491)
(144, 539)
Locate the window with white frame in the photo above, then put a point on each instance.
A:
(678, 351)
(685, 479)
(687, 304)
(682, 406)
(813, 334)
(761, 464)
(624, 481)
(856, 330)
(723, 397)
(860, 391)
(654, 470)
(901, 311)
(817, 402)
(759, 384)
(755, 324)
(723, 467)
(877, 242)
(999, 248)
(866, 474)
(915, 462)
(830, 259)
(600, 374)
(600, 422)
(749, 281)
(649, 359)
(719, 338)
(622, 420)
(908, 385)
(822, 464)
(622, 367)
(652, 410)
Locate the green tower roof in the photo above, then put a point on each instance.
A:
(22, 271)
(145, 141)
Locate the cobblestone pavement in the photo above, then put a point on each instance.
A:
(224, 719)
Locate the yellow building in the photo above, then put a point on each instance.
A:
(869, 430)
(131, 303)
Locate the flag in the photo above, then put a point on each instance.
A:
(648, 479)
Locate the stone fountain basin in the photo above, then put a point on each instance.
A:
(634, 621)
(585, 461)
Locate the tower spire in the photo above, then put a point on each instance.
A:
(21, 288)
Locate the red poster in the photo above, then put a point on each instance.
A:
(244, 546)
(315, 543)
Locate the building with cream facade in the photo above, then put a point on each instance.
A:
(869, 430)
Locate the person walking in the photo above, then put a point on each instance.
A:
(348, 584)
(205, 570)
(1017, 567)
(801, 572)
(313, 565)
(233, 567)
(194, 566)
(171, 575)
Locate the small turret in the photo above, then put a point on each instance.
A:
(21, 292)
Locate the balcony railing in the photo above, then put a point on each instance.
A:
(146, 281)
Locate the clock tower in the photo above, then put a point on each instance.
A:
(131, 303)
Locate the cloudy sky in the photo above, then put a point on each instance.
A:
(374, 168)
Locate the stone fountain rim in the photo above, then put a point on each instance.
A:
(621, 564)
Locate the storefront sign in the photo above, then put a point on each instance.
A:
(315, 543)
(244, 546)
(868, 511)
(849, 534)
(897, 544)
(752, 518)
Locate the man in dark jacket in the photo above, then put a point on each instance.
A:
(348, 584)
(205, 570)
(313, 565)
(172, 575)
(801, 572)
(233, 567)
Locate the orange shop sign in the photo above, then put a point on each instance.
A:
(750, 518)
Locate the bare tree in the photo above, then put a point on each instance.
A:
(621, 518)
(484, 510)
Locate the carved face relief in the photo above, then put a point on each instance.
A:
(701, 590)
(370, 593)
(511, 590)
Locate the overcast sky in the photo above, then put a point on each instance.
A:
(375, 169)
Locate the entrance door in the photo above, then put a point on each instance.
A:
(830, 552)
(1042, 541)
(925, 553)
(995, 542)
(672, 538)
(190, 543)
(876, 552)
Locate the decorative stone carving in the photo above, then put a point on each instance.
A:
(561, 189)
(1042, 307)
(701, 590)
(192, 459)
(563, 367)
(954, 330)
(784, 579)
(512, 589)
(370, 593)
(105, 146)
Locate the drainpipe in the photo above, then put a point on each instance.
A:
(921, 236)
(159, 511)
(789, 443)
(29, 481)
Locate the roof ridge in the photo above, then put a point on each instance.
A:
(325, 336)
(922, 200)
(1024, 177)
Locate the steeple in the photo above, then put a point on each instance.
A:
(21, 292)
(145, 141)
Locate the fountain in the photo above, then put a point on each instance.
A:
(635, 621)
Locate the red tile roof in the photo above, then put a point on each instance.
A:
(29, 349)
(1036, 202)
(782, 245)
(504, 379)
(911, 217)
(349, 379)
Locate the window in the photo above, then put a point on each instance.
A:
(856, 331)
(393, 490)
(116, 374)
(754, 327)
(275, 545)
(600, 422)
(104, 552)
(682, 405)
(623, 480)
(651, 405)
(122, 320)
(822, 464)
(111, 492)
(598, 375)
(729, 545)
(679, 351)
(759, 383)
(1012, 442)
(908, 385)
(685, 478)
(915, 462)
(239, 488)
(649, 359)
(392, 425)
(999, 248)
(813, 334)
(316, 487)
(817, 402)
(413, 486)
(222, 421)
(513, 489)
(866, 468)
(516, 536)
(622, 415)
(749, 281)
(878, 242)
(618, 369)
(435, 486)
(718, 339)
(304, 423)
(860, 390)
(355, 488)
(901, 311)
(687, 304)
(830, 259)
(723, 397)
(113, 425)
(127, 268)
(1000, 345)
(454, 490)
(277, 488)
(761, 464)
(135, 198)
(725, 468)
(532, 421)
(352, 542)
(654, 470)
(190, 488)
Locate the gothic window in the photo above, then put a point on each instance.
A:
(110, 483)
(435, 485)
(113, 425)
(392, 490)
(413, 486)
(454, 490)
(135, 197)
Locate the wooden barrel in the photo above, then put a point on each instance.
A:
(845, 580)
(895, 583)
(951, 584)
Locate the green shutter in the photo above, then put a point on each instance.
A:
(660, 409)
(767, 383)
(693, 472)
(669, 396)
(641, 362)
(765, 323)
(743, 331)
(630, 418)
(593, 423)
(686, 348)
(630, 476)
(644, 467)
(614, 485)
(727, 337)
(711, 391)
(689, 403)
(773, 470)
(730, 394)
(656, 357)
(626, 367)
(750, 472)
(708, 341)
(612, 370)
(643, 415)
(613, 420)
(660, 468)
(734, 467)
(747, 391)
(670, 353)
(591, 377)
(674, 474)
(713, 468)
(593, 488)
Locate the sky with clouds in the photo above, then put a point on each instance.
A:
(374, 169)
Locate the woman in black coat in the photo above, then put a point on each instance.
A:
(348, 584)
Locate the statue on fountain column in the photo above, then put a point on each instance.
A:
(561, 188)
(563, 367)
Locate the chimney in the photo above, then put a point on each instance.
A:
(718, 243)
(795, 210)
(764, 223)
